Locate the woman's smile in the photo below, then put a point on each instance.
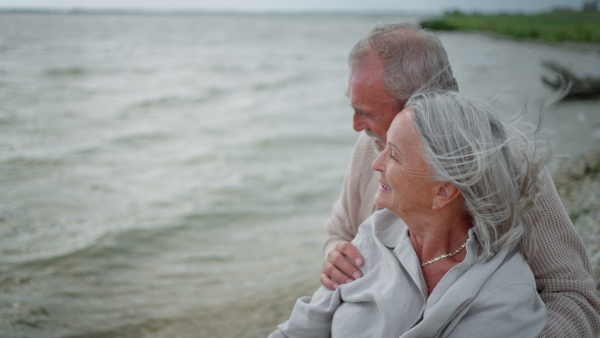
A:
(384, 186)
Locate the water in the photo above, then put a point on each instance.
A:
(170, 175)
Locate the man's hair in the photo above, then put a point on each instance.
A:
(493, 165)
(413, 59)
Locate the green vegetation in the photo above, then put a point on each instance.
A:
(556, 26)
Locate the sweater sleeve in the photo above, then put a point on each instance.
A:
(562, 270)
(356, 201)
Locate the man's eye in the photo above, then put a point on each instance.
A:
(363, 114)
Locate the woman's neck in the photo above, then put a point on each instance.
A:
(437, 236)
(435, 233)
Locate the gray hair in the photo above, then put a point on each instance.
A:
(413, 58)
(493, 165)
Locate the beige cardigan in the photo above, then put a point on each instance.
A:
(561, 267)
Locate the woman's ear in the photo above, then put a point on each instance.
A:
(445, 193)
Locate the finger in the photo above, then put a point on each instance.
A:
(338, 258)
(328, 282)
(347, 249)
(333, 272)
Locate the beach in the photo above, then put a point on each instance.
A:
(170, 175)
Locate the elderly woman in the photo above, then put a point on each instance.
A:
(447, 256)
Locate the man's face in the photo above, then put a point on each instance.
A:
(374, 107)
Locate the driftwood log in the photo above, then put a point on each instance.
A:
(574, 87)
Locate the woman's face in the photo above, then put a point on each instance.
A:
(406, 185)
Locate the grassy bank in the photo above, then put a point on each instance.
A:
(556, 26)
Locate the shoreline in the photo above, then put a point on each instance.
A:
(553, 27)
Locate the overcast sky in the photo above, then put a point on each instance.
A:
(301, 5)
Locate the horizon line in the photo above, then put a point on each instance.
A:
(189, 11)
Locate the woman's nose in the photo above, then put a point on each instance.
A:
(377, 164)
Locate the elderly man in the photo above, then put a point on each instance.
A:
(386, 67)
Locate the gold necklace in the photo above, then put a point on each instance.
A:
(446, 255)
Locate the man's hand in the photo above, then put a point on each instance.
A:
(338, 269)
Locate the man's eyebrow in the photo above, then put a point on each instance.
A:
(393, 145)
(358, 110)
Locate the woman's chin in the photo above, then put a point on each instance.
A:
(380, 202)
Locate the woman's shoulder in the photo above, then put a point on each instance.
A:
(507, 302)
(512, 272)
(383, 226)
(381, 231)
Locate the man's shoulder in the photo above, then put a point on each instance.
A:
(364, 150)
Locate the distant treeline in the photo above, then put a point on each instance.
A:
(555, 26)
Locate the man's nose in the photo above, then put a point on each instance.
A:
(359, 123)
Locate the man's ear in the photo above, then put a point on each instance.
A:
(445, 193)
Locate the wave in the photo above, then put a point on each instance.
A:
(68, 71)
(143, 138)
(306, 139)
(48, 245)
(41, 159)
(19, 161)
(280, 83)
(169, 101)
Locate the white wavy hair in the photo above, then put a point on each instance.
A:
(493, 165)
(412, 58)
